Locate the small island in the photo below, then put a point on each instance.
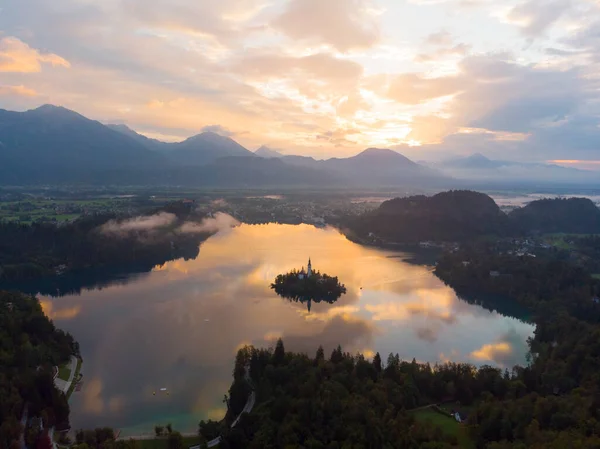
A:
(307, 286)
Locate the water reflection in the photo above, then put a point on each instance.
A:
(180, 326)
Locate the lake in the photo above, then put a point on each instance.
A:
(179, 326)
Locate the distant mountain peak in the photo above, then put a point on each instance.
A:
(49, 108)
(373, 151)
(267, 152)
(383, 154)
(474, 161)
(55, 111)
(478, 156)
(209, 136)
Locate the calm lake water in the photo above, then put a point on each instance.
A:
(180, 326)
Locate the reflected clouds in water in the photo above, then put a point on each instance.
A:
(180, 326)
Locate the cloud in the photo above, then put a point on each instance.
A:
(441, 38)
(536, 16)
(219, 222)
(17, 90)
(442, 53)
(218, 129)
(321, 78)
(343, 24)
(414, 88)
(215, 19)
(138, 224)
(17, 56)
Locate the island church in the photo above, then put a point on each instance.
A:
(308, 272)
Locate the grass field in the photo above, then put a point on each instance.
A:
(448, 425)
(64, 372)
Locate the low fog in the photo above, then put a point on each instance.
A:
(150, 223)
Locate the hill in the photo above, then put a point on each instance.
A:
(573, 215)
(448, 216)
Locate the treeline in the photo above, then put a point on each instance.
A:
(546, 284)
(30, 346)
(560, 406)
(40, 250)
(347, 401)
(462, 215)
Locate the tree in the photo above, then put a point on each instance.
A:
(169, 428)
(337, 355)
(279, 354)
(158, 430)
(320, 357)
(175, 441)
(377, 362)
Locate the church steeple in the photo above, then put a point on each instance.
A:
(309, 272)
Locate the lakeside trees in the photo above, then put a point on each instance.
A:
(299, 287)
(30, 346)
(30, 252)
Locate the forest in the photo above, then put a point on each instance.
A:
(30, 346)
(463, 215)
(39, 250)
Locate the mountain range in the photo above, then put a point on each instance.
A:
(477, 167)
(54, 145)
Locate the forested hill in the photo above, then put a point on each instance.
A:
(102, 241)
(448, 216)
(30, 346)
(572, 215)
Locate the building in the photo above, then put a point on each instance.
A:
(308, 272)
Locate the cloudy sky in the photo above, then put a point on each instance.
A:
(512, 79)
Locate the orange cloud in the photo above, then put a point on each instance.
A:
(17, 56)
(342, 24)
(412, 88)
(18, 90)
